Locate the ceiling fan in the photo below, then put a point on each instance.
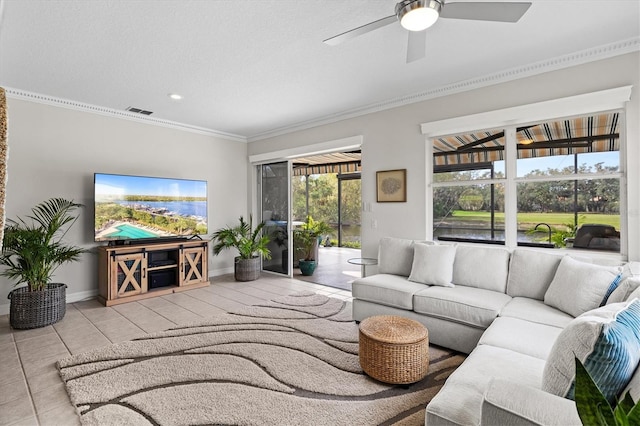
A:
(418, 15)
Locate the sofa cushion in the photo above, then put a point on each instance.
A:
(624, 290)
(508, 402)
(578, 287)
(606, 340)
(433, 264)
(467, 305)
(459, 402)
(531, 272)
(395, 256)
(481, 267)
(535, 311)
(521, 336)
(386, 289)
(633, 388)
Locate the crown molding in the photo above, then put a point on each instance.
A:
(577, 58)
(561, 62)
(126, 115)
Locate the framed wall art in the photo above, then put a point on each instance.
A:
(391, 186)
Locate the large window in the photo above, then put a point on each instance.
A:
(556, 182)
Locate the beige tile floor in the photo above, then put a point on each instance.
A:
(31, 391)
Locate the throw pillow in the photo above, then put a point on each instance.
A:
(612, 287)
(433, 265)
(578, 287)
(623, 292)
(606, 340)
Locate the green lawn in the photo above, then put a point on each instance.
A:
(529, 220)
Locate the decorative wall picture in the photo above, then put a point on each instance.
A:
(391, 186)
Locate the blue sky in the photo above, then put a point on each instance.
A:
(107, 184)
(524, 166)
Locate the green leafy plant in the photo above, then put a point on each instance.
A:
(248, 241)
(593, 407)
(306, 236)
(560, 234)
(33, 250)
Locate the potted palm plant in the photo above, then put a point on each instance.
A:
(31, 252)
(306, 240)
(250, 243)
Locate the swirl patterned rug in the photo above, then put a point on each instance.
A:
(291, 361)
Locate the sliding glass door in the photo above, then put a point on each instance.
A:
(273, 184)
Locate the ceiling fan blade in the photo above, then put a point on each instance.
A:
(417, 45)
(487, 11)
(360, 30)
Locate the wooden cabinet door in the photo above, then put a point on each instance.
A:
(128, 275)
(193, 265)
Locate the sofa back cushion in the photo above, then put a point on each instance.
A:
(395, 256)
(607, 342)
(531, 272)
(481, 267)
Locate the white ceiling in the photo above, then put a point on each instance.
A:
(255, 68)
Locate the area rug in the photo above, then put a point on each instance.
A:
(291, 361)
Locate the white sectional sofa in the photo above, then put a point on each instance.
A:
(514, 313)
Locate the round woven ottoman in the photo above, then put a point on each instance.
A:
(394, 349)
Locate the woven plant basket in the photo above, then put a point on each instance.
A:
(34, 309)
(247, 269)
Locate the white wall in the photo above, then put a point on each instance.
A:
(55, 151)
(392, 140)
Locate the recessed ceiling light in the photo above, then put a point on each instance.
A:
(175, 96)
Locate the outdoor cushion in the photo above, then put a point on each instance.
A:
(386, 289)
(522, 336)
(481, 267)
(578, 287)
(535, 311)
(531, 272)
(395, 256)
(467, 305)
(607, 341)
(433, 264)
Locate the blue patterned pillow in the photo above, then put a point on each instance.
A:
(614, 285)
(606, 340)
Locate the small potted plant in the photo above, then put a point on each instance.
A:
(31, 253)
(306, 241)
(250, 243)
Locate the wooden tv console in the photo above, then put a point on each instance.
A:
(139, 271)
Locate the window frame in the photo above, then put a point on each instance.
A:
(511, 180)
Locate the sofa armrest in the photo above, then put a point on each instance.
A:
(509, 403)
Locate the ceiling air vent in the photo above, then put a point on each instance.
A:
(139, 111)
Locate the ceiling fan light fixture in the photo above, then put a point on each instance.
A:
(418, 15)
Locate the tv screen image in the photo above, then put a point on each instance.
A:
(142, 207)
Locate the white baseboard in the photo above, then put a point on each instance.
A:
(71, 298)
(89, 294)
(218, 272)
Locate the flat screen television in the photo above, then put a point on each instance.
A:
(131, 208)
